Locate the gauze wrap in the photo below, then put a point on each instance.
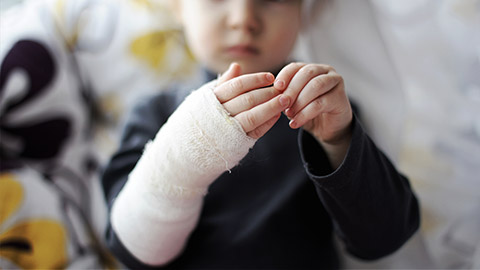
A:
(159, 206)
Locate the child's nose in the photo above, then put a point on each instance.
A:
(243, 16)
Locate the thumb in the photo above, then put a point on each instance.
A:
(233, 71)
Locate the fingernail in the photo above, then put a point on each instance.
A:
(292, 124)
(284, 101)
(279, 84)
(288, 112)
(269, 77)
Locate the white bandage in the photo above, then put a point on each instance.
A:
(159, 206)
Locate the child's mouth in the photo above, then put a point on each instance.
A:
(242, 51)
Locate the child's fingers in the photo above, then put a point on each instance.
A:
(249, 100)
(262, 129)
(311, 111)
(334, 102)
(314, 88)
(242, 84)
(233, 71)
(257, 116)
(302, 77)
(286, 74)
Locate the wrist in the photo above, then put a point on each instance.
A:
(199, 142)
(337, 149)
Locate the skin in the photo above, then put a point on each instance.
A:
(257, 36)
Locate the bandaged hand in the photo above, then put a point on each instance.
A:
(202, 139)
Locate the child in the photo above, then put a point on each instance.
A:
(222, 177)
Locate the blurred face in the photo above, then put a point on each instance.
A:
(257, 34)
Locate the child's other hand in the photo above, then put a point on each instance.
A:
(320, 103)
(256, 108)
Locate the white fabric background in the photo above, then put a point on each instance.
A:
(414, 68)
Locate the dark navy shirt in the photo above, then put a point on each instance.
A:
(279, 208)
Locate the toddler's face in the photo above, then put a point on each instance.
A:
(257, 34)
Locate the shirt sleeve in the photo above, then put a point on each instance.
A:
(373, 207)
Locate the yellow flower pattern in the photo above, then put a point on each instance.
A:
(33, 243)
(154, 47)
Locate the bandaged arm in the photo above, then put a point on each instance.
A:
(160, 204)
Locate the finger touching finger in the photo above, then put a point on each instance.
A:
(242, 84)
(303, 76)
(249, 100)
(313, 89)
(286, 74)
(257, 116)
